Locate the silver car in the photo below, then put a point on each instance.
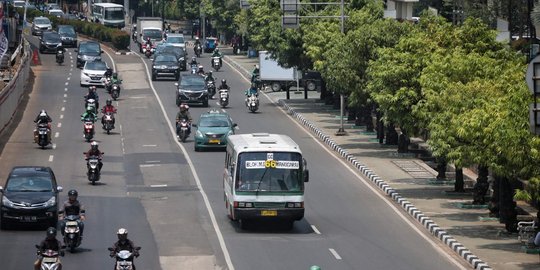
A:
(40, 25)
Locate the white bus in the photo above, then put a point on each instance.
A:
(108, 14)
(264, 178)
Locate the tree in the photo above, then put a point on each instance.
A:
(221, 13)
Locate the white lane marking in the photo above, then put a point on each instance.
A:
(136, 97)
(65, 89)
(153, 161)
(336, 255)
(122, 140)
(67, 83)
(61, 116)
(64, 100)
(51, 158)
(149, 165)
(69, 78)
(59, 125)
(54, 146)
(63, 109)
(367, 183)
(70, 74)
(223, 110)
(221, 241)
(315, 229)
(71, 66)
(56, 134)
(140, 107)
(65, 95)
(164, 185)
(149, 145)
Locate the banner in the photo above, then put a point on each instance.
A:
(3, 39)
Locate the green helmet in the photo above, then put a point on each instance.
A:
(314, 267)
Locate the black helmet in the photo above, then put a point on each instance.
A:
(51, 232)
(73, 193)
(108, 102)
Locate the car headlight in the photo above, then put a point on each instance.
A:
(155, 67)
(199, 134)
(7, 202)
(174, 67)
(182, 59)
(51, 202)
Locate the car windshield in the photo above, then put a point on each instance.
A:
(41, 21)
(114, 13)
(152, 33)
(56, 12)
(193, 81)
(165, 58)
(175, 39)
(96, 65)
(90, 48)
(51, 37)
(29, 183)
(66, 30)
(269, 172)
(214, 122)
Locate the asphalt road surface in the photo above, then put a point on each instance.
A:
(178, 215)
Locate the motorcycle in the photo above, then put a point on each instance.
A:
(211, 86)
(193, 69)
(72, 234)
(93, 172)
(59, 57)
(124, 258)
(223, 97)
(42, 135)
(50, 259)
(182, 130)
(108, 122)
(134, 36)
(216, 62)
(115, 91)
(252, 103)
(148, 50)
(108, 83)
(88, 130)
(198, 50)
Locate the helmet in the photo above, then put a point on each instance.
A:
(196, 38)
(122, 234)
(184, 107)
(256, 66)
(51, 232)
(148, 39)
(194, 58)
(223, 81)
(94, 145)
(115, 75)
(108, 102)
(216, 50)
(73, 193)
(253, 85)
(42, 113)
(201, 67)
(210, 72)
(315, 267)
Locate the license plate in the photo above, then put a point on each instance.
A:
(269, 213)
(49, 260)
(72, 223)
(213, 141)
(30, 219)
(95, 78)
(192, 98)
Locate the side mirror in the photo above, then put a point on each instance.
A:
(1, 189)
(140, 35)
(138, 248)
(76, 50)
(110, 249)
(306, 171)
(235, 125)
(151, 58)
(37, 246)
(59, 188)
(101, 51)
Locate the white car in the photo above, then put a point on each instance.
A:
(19, 4)
(176, 40)
(93, 73)
(40, 25)
(56, 12)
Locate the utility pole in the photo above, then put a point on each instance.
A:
(341, 131)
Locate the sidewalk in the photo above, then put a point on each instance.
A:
(470, 232)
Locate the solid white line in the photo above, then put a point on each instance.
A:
(336, 255)
(59, 125)
(221, 241)
(367, 183)
(63, 109)
(61, 116)
(56, 134)
(315, 229)
(51, 158)
(158, 185)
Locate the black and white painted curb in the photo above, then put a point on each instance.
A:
(427, 222)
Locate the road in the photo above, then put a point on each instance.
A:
(161, 191)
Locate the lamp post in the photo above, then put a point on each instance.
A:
(341, 131)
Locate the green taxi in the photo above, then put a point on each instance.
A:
(213, 128)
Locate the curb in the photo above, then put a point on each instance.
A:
(427, 222)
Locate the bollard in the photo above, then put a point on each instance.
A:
(35, 58)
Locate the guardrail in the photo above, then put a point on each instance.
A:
(12, 94)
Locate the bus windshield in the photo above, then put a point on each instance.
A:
(269, 172)
(114, 13)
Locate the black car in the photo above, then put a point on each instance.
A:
(88, 51)
(191, 89)
(49, 41)
(30, 196)
(165, 64)
(179, 52)
(68, 35)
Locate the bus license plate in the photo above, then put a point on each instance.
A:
(214, 141)
(269, 213)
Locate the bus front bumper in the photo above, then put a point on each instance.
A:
(257, 213)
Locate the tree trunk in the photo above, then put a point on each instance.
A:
(494, 203)
(380, 128)
(368, 118)
(507, 207)
(391, 135)
(441, 168)
(459, 183)
(352, 113)
(336, 102)
(403, 142)
(360, 116)
(481, 186)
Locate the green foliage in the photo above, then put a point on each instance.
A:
(222, 13)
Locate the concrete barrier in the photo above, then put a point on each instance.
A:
(12, 94)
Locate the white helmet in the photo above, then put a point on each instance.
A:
(43, 113)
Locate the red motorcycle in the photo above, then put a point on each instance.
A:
(149, 50)
(88, 130)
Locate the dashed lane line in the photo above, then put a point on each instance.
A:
(51, 158)
(334, 252)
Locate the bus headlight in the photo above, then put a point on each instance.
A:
(295, 205)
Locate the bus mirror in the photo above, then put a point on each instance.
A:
(306, 175)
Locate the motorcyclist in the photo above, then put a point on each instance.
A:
(50, 242)
(124, 243)
(148, 42)
(72, 207)
(92, 94)
(94, 151)
(200, 70)
(115, 79)
(193, 61)
(224, 85)
(197, 45)
(60, 49)
(183, 113)
(89, 115)
(43, 118)
(108, 108)
(209, 77)
(109, 72)
(255, 74)
(252, 90)
(217, 53)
